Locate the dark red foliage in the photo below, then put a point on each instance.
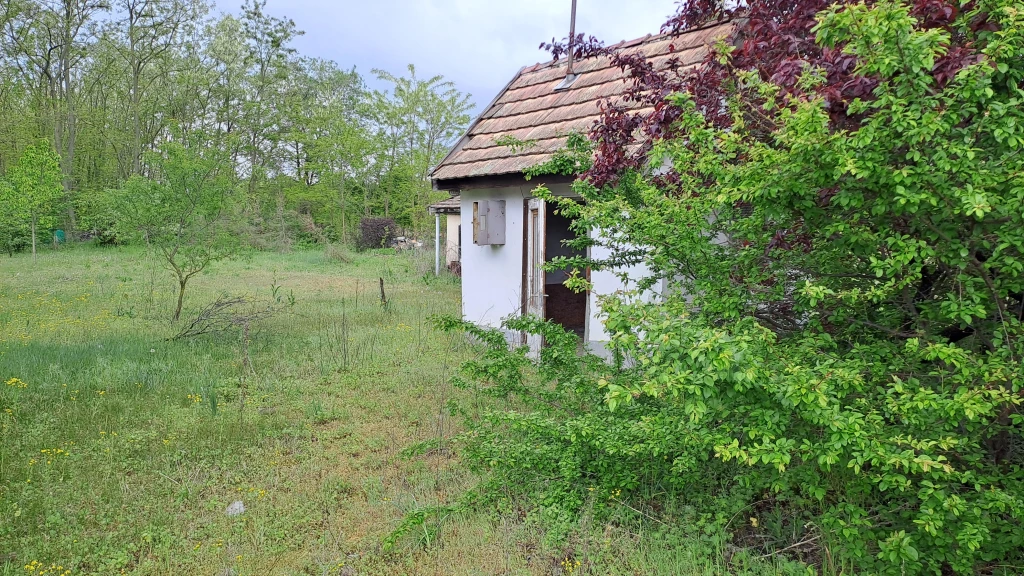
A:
(582, 47)
(788, 239)
(693, 13)
(776, 40)
(376, 233)
(935, 13)
(613, 135)
(954, 61)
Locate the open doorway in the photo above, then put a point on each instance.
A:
(563, 306)
(544, 292)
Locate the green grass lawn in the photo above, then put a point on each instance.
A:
(120, 450)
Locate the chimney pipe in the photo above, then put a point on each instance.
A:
(572, 36)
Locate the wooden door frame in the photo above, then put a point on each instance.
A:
(534, 252)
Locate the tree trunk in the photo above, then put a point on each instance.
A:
(136, 123)
(33, 236)
(181, 298)
(68, 150)
(282, 228)
(344, 236)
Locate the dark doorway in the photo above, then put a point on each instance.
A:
(562, 305)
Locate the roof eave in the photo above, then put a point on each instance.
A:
(446, 210)
(456, 185)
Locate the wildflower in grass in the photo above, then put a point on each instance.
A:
(52, 454)
(195, 398)
(16, 383)
(37, 568)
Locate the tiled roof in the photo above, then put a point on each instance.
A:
(452, 205)
(530, 109)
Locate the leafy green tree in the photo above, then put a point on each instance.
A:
(416, 122)
(188, 213)
(222, 61)
(143, 37)
(12, 221)
(49, 43)
(339, 144)
(108, 80)
(269, 61)
(36, 179)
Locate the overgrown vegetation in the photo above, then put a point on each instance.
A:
(834, 370)
(120, 449)
(309, 149)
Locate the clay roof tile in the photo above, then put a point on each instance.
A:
(531, 109)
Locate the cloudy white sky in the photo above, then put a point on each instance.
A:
(479, 44)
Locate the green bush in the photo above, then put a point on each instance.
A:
(838, 354)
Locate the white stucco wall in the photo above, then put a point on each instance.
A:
(606, 283)
(492, 275)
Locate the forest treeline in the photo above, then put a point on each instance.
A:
(94, 92)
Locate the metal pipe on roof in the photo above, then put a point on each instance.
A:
(572, 35)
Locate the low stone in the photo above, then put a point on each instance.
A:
(235, 509)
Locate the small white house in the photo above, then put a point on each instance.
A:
(509, 233)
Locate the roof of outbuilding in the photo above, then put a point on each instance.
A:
(531, 109)
(452, 205)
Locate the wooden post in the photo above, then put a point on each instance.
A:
(383, 298)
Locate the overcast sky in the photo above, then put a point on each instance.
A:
(479, 44)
